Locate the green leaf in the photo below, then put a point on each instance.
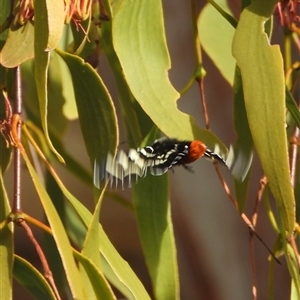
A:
(56, 19)
(100, 285)
(125, 96)
(58, 81)
(92, 263)
(120, 267)
(262, 72)
(18, 47)
(216, 36)
(45, 33)
(90, 247)
(49, 22)
(59, 234)
(96, 111)
(31, 279)
(292, 107)
(243, 147)
(4, 21)
(6, 244)
(152, 204)
(140, 43)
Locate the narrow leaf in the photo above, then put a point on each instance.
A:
(216, 35)
(92, 263)
(54, 11)
(153, 211)
(262, 72)
(100, 285)
(31, 279)
(243, 147)
(18, 47)
(42, 41)
(6, 245)
(140, 43)
(119, 266)
(96, 111)
(151, 200)
(59, 234)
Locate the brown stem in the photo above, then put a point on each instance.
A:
(203, 102)
(16, 207)
(243, 216)
(47, 272)
(252, 264)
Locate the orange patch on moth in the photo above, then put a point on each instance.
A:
(196, 150)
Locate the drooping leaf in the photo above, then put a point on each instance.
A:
(6, 244)
(59, 234)
(153, 211)
(216, 35)
(140, 43)
(97, 280)
(101, 288)
(125, 96)
(243, 147)
(31, 279)
(18, 46)
(261, 66)
(46, 33)
(292, 107)
(129, 281)
(152, 204)
(96, 111)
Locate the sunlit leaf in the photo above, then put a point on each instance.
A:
(96, 111)
(216, 35)
(262, 72)
(119, 266)
(123, 272)
(151, 200)
(46, 37)
(18, 47)
(59, 234)
(153, 211)
(100, 285)
(140, 43)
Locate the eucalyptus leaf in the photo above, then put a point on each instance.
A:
(6, 244)
(140, 43)
(262, 70)
(31, 279)
(96, 111)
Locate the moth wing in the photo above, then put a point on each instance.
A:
(239, 163)
(119, 170)
(158, 171)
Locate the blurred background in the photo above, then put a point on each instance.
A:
(212, 240)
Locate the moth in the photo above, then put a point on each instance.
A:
(157, 159)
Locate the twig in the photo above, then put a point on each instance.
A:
(252, 264)
(203, 102)
(293, 169)
(200, 72)
(263, 183)
(243, 216)
(47, 272)
(16, 207)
